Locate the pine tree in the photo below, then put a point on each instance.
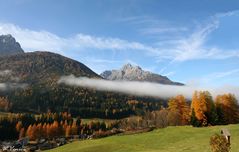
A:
(194, 121)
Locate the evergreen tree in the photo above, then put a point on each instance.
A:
(194, 121)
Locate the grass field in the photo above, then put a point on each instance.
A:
(171, 139)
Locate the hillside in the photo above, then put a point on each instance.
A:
(135, 73)
(171, 139)
(42, 68)
(9, 46)
(40, 71)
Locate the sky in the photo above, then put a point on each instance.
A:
(189, 41)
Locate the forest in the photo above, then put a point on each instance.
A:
(201, 111)
(77, 101)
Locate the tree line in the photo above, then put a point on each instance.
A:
(48, 126)
(202, 110)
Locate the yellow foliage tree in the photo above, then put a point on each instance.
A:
(203, 106)
(179, 105)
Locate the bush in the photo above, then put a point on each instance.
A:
(219, 143)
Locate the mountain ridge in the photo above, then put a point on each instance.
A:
(135, 73)
(42, 67)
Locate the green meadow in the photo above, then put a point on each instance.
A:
(170, 139)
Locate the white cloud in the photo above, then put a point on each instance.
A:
(139, 20)
(160, 30)
(194, 46)
(230, 13)
(224, 74)
(2, 86)
(43, 40)
(142, 88)
(101, 61)
(12, 86)
(33, 40)
(191, 47)
(218, 75)
(169, 73)
(186, 47)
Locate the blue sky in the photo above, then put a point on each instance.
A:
(190, 41)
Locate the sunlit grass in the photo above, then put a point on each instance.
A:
(171, 139)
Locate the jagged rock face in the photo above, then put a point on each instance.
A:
(135, 73)
(9, 46)
(106, 74)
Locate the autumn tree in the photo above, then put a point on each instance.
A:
(68, 131)
(174, 118)
(178, 107)
(19, 126)
(44, 130)
(162, 118)
(31, 132)
(21, 133)
(227, 108)
(48, 130)
(39, 131)
(74, 128)
(204, 108)
(54, 129)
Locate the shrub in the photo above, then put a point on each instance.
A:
(219, 143)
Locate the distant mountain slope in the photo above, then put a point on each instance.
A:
(42, 67)
(41, 72)
(9, 46)
(135, 73)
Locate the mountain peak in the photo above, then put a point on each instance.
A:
(129, 66)
(9, 45)
(135, 73)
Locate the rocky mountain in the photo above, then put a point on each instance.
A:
(136, 73)
(9, 46)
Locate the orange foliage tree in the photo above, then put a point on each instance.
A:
(204, 108)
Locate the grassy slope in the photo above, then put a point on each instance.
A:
(171, 139)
